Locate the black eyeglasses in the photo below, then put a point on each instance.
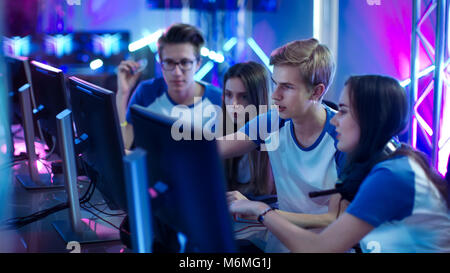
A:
(185, 64)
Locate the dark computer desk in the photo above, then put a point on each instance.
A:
(40, 236)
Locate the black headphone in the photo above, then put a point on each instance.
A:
(391, 146)
(348, 186)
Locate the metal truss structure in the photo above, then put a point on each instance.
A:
(437, 132)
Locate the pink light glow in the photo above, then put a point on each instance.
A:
(422, 123)
(153, 193)
(444, 142)
(40, 149)
(20, 147)
(443, 159)
(99, 229)
(40, 166)
(3, 149)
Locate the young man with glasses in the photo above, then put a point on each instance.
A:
(179, 54)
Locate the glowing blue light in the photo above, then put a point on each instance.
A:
(260, 53)
(96, 64)
(17, 46)
(59, 45)
(152, 38)
(212, 55)
(229, 44)
(219, 58)
(202, 72)
(107, 44)
(204, 52)
(153, 47)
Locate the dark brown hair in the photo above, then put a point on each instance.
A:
(179, 34)
(380, 107)
(256, 81)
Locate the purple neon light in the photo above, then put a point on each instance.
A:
(423, 108)
(444, 143)
(421, 121)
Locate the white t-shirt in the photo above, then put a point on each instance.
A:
(298, 171)
(404, 206)
(153, 95)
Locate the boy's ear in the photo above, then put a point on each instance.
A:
(318, 91)
(199, 64)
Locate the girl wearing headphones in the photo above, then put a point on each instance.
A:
(398, 203)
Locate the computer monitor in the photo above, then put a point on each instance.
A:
(17, 77)
(189, 179)
(49, 91)
(39, 106)
(97, 125)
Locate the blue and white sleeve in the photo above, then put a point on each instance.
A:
(260, 128)
(384, 196)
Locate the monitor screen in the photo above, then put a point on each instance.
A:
(96, 122)
(191, 182)
(48, 87)
(17, 77)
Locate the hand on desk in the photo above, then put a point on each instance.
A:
(240, 206)
(235, 195)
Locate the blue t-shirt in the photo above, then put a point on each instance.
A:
(404, 207)
(153, 95)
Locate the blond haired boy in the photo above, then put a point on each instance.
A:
(306, 158)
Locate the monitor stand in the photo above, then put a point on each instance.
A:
(34, 180)
(90, 232)
(76, 229)
(42, 182)
(138, 199)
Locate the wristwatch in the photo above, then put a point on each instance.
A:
(261, 216)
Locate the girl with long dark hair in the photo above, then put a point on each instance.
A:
(246, 84)
(398, 202)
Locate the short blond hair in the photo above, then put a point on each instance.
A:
(314, 60)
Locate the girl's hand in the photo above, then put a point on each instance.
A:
(247, 209)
